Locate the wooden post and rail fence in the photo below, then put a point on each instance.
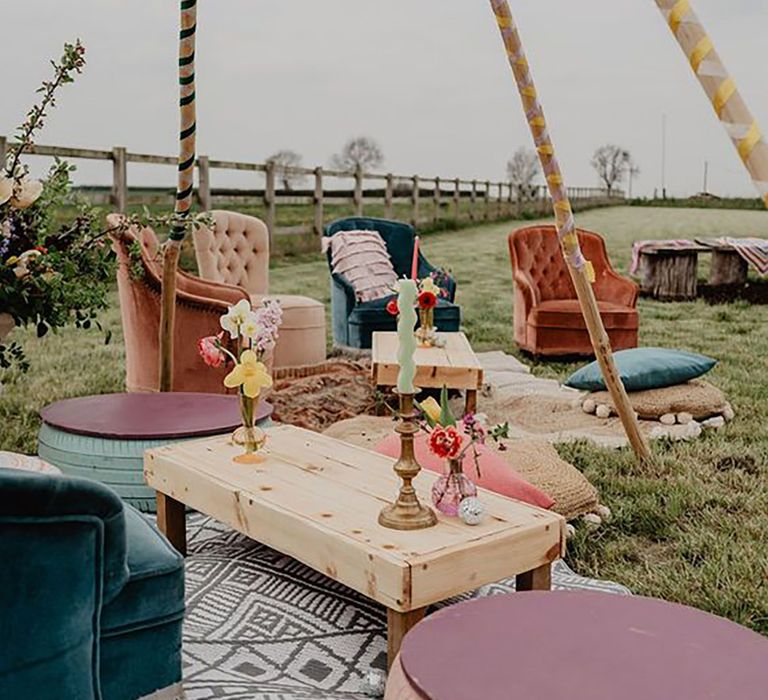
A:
(418, 199)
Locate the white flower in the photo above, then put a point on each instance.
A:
(250, 328)
(27, 193)
(6, 189)
(235, 317)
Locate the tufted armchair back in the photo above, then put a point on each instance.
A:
(235, 252)
(535, 252)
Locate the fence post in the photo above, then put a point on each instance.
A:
(457, 199)
(317, 200)
(204, 183)
(500, 202)
(487, 198)
(3, 151)
(388, 196)
(509, 200)
(269, 201)
(415, 202)
(436, 200)
(358, 191)
(473, 201)
(119, 179)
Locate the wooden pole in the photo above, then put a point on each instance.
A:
(721, 90)
(358, 196)
(119, 179)
(184, 189)
(388, 196)
(317, 226)
(204, 183)
(270, 218)
(436, 201)
(580, 269)
(457, 199)
(415, 202)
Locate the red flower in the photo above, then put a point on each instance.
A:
(210, 350)
(41, 249)
(392, 307)
(445, 442)
(427, 300)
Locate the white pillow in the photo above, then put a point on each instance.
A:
(362, 258)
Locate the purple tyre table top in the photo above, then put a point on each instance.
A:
(569, 645)
(174, 415)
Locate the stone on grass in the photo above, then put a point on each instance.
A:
(588, 406)
(715, 422)
(728, 412)
(603, 511)
(603, 411)
(592, 520)
(668, 419)
(684, 418)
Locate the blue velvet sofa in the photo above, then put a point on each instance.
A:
(91, 594)
(354, 322)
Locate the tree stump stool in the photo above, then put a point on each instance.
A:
(728, 267)
(104, 437)
(669, 274)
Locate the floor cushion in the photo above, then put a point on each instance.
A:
(494, 473)
(148, 612)
(29, 463)
(645, 368)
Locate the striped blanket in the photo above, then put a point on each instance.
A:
(753, 250)
(639, 247)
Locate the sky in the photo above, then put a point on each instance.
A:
(428, 79)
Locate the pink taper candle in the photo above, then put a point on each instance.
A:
(415, 264)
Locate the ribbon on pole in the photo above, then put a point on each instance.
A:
(184, 190)
(580, 269)
(720, 88)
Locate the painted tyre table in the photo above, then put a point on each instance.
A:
(567, 645)
(104, 437)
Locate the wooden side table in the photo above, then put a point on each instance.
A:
(455, 366)
(567, 645)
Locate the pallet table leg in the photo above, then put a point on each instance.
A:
(171, 519)
(471, 401)
(398, 624)
(539, 579)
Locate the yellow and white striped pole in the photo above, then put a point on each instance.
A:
(721, 90)
(185, 187)
(580, 269)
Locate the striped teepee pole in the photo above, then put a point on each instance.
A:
(184, 189)
(580, 269)
(720, 89)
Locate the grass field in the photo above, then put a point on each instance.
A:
(691, 528)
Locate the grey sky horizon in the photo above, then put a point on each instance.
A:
(428, 80)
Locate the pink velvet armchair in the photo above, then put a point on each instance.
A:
(199, 304)
(236, 252)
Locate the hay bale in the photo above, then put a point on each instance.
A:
(698, 398)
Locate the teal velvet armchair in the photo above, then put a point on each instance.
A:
(354, 321)
(91, 594)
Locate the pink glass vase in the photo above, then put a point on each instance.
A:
(451, 489)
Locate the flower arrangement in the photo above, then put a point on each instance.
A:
(451, 440)
(250, 335)
(51, 272)
(430, 291)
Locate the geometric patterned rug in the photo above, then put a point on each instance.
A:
(261, 626)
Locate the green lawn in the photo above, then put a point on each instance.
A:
(691, 528)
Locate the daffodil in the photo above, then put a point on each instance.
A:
(235, 317)
(432, 409)
(428, 285)
(250, 374)
(251, 327)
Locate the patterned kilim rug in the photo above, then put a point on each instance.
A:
(261, 626)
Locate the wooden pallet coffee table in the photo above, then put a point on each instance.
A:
(317, 500)
(455, 365)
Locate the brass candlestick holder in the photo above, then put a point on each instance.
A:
(406, 513)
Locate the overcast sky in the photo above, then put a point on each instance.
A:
(427, 78)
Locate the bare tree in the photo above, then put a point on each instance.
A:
(522, 169)
(611, 163)
(361, 152)
(284, 160)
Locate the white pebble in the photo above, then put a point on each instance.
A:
(684, 418)
(603, 511)
(668, 419)
(728, 412)
(603, 411)
(592, 520)
(589, 406)
(715, 422)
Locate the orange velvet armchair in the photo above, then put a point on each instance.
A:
(548, 319)
(199, 304)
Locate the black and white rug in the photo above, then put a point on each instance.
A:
(261, 626)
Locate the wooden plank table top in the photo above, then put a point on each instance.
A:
(317, 500)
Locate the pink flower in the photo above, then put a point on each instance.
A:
(210, 350)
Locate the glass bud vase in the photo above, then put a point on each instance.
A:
(249, 435)
(426, 333)
(452, 488)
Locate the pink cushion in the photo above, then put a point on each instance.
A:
(496, 474)
(362, 258)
